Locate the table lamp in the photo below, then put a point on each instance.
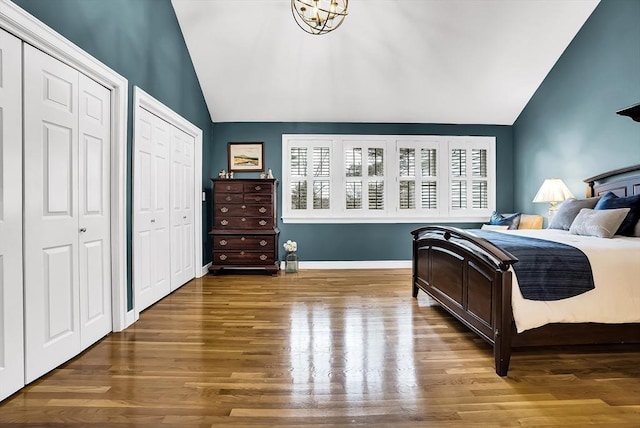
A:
(553, 190)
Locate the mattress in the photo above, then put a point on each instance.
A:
(616, 272)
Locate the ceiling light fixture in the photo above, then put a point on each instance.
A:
(319, 16)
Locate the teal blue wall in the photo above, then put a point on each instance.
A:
(141, 40)
(321, 242)
(569, 129)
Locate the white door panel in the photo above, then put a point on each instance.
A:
(51, 279)
(143, 210)
(59, 294)
(182, 214)
(94, 219)
(151, 209)
(11, 299)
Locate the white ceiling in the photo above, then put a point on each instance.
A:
(400, 61)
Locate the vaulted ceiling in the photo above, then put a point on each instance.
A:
(391, 61)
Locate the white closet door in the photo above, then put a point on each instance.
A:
(182, 214)
(94, 214)
(151, 209)
(11, 304)
(51, 275)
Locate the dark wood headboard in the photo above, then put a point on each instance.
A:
(627, 185)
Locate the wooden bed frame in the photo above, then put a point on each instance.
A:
(470, 278)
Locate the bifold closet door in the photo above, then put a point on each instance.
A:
(11, 303)
(94, 156)
(151, 256)
(182, 214)
(66, 251)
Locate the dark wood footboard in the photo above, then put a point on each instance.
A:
(470, 278)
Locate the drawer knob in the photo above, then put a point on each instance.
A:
(258, 187)
(223, 257)
(243, 238)
(224, 222)
(228, 187)
(263, 243)
(263, 257)
(244, 207)
(242, 253)
(224, 209)
(228, 198)
(262, 210)
(258, 198)
(244, 219)
(262, 222)
(223, 242)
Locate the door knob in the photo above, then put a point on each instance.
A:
(84, 229)
(153, 220)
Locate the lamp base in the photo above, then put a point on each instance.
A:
(553, 209)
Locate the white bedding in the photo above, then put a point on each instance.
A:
(616, 273)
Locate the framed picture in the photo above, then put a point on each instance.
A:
(245, 157)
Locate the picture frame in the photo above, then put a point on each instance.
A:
(245, 157)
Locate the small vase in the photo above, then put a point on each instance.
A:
(291, 263)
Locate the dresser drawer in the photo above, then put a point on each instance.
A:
(250, 243)
(239, 257)
(228, 222)
(229, 187)
(243, 210)
(228, 198)
(257, 198)
(257, 187)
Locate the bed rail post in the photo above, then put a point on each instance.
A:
(414, 264)
(502, 331)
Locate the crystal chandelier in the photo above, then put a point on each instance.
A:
(319, 16)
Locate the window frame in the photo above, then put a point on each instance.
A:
(338, 213)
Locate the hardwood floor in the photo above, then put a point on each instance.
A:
(322, 348)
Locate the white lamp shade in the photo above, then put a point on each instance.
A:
(553, 190)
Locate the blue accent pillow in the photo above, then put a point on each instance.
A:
(611, 201)
(513, 221)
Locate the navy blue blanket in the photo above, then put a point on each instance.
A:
(546, 270)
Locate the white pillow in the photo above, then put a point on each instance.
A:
(600, 223)
(494, 227)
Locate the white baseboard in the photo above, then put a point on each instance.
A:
(363, 264)
(204, 271)
(130, 318)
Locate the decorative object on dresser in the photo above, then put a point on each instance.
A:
(245, 232)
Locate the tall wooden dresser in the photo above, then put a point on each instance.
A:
(245, 232)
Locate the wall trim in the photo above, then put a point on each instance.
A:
(364, 264)
(21, 24)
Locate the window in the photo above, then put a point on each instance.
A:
(361, 178)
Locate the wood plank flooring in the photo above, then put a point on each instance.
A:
(322, 348)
